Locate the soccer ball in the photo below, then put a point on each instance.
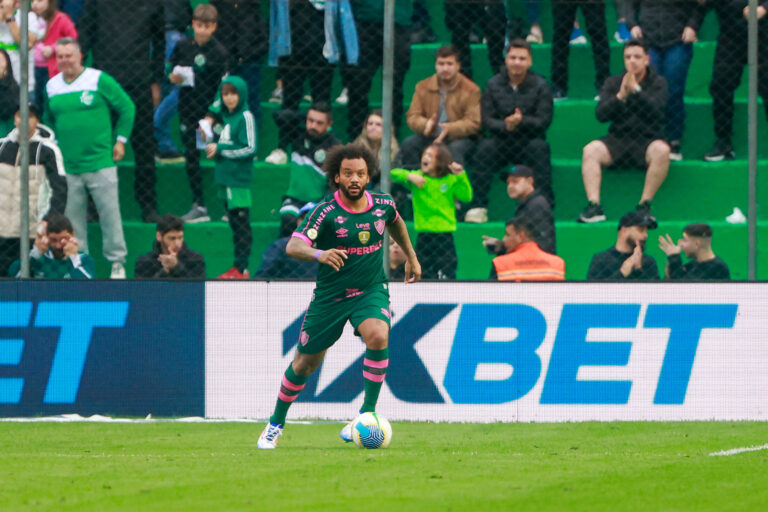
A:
(371, 431)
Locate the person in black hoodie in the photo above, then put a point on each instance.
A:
(9, 94)
(203, 61)
(127, 40)
(697, 245)
(634, 102)
(170, 257)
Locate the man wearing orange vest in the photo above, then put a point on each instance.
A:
(524, 260)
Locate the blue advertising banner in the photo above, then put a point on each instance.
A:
(123, 348)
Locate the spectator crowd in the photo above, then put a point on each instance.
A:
(108, 74)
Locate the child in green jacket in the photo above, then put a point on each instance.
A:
(435, 189)
(234, 153)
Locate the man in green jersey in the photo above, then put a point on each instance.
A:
(345, 233)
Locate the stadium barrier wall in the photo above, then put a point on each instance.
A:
(460, 352)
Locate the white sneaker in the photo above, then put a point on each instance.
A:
(269, 437)
(346, 432)
(118, 271)
(277, 157)
(477, 215)
(196, 214)
(343, 98)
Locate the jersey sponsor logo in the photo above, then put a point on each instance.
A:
(381, 200)
(361, 250)
(352, 292)
(364, 236)
(86, 98)
(342, 233)
(380, 225)
(363, 225)
(340, 219)
(312, 233)
(378, 212)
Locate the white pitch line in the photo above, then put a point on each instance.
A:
(736, 451)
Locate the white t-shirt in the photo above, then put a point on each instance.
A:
(36, 28)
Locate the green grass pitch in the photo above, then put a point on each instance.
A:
(463, 467)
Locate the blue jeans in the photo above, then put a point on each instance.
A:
(672, 63)
(168, 107)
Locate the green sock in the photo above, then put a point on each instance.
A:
(375, 366)
(290, 388)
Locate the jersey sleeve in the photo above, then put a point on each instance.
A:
(392, 214)
(311, 227)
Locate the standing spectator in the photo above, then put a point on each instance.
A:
(532, 206)
(10, 36)
(445, 108)
(462, 15)
(730, 59)
(57, 26)
(669, 28)
(243, 33)
(564, 12)
(626, 260)
(276, 264)
(371, 136)
(306, 61)
(56, 253)
(47, 185)
(234, 153)
(177, 15)
(369, 20)
(524, 260)
(516, 113)
(634, 103)
(435, 189)
(127, 40)
(170, 257)
(72, 8)
(80, 103)
(697, 245)
(197, 66)
(308, 182)
(9, 94)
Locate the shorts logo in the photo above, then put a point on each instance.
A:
(312, 233)
(364, 236)
(342, 232)
(380, 224)
(379, 212)
(340, 220)
(303, 338)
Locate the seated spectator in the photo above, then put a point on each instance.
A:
(516, 112)
(563, 14)
(197, 66)
(531, 205)
(697, 245)
(626, 260)
(276, 264)
(9, 94)
(669, 28)
(435, 189)
(170, 257)
(371, 136)
(445, 108)
(47, 185)
(524, 260)
(56, 253)
(397, 261)
(634, 103)
(308, 182)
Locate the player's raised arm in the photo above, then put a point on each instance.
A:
(399, 232)
(299, 249)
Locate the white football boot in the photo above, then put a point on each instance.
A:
(269, 437)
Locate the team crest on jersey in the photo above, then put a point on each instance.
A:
(200, 61)
(224, 137)
(380, 225)
(364, 236)
(86, 98)
(320, 156)
(444, 188)
(378, 212)
(311, 233)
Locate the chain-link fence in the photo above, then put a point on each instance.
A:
(523, 134)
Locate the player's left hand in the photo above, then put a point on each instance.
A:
(412, 271)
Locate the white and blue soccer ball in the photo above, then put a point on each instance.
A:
(371, 431)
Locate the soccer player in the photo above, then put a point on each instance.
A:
(345, 233)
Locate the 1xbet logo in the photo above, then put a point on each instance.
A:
(75, 322)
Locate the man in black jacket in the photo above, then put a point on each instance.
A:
(516, 113)
(170, 257)
(697, 245)
(626, 260)
(634, 102)
(127, 40)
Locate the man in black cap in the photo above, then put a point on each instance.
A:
(531, 205)
(626, 260)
